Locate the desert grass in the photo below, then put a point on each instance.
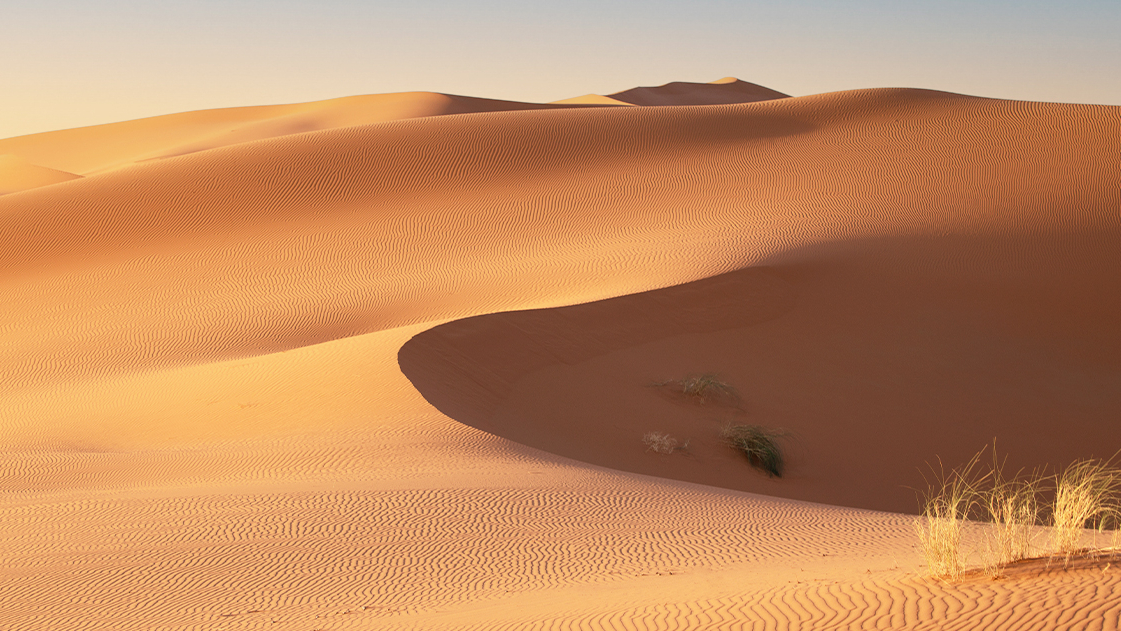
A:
(1012, 506)
(949, 501)
(662, 443)
(705, 388)
(1086, 496)
(760, 445)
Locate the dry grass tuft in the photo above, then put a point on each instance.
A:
(1086, 496)
(1013, 508)
(760, 445)
(947, 504)
(705, 388)
(662, 443)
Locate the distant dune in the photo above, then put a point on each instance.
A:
(720, 92)
(385, 362)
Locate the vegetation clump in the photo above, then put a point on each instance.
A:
(701, 389)
(705, 388)
(760, 445)
(946, 506)
(662, 443)
(1085, 495)
(1012, 505)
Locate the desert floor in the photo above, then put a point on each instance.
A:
(386, 362)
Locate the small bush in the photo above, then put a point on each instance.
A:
(760, 445)
(661, 443)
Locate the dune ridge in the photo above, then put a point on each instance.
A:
(205, 423)
(90, 150)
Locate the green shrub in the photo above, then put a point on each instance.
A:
(759, 445)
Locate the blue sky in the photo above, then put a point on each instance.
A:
(65, 63)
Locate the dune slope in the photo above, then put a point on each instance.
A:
(875, 358)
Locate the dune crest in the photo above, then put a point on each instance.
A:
(100, 148)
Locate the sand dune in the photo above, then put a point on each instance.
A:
(238, 382)
(720, 92)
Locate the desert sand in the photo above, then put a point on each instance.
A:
(385, 362)
(17, 174)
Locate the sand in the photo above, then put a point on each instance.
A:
(385, 362)
(17, 174)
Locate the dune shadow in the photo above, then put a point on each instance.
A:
(879, 354)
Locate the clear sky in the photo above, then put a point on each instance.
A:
(69, 63)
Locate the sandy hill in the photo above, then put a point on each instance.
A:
(720, 92)
(394, 374)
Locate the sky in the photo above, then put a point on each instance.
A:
(71, 63)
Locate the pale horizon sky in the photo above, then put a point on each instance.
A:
(65, 63)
